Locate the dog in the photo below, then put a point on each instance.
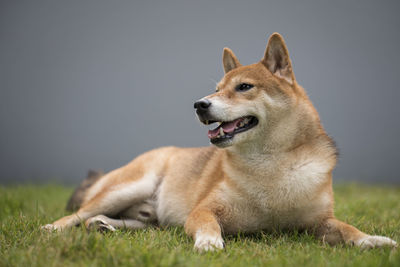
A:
(269, 167)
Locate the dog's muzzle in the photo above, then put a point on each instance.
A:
(202, 107)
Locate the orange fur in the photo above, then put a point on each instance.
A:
(276, 175)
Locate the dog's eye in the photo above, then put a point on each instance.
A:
(244, 87)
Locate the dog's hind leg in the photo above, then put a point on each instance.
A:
(101, 222)
(135, 217)
(110, 198)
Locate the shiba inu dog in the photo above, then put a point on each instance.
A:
(270, 167)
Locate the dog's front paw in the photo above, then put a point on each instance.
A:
(206, 242)
(375, 241)
(50, 228)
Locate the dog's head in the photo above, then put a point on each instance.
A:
(250, 100)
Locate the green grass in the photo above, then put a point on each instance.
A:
(23, 209)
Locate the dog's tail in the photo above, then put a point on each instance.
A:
(75, 201)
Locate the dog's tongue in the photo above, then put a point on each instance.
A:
(227, 127)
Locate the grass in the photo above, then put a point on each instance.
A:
(23, 209)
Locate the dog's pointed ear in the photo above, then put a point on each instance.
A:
(229, 60)
(276, 58)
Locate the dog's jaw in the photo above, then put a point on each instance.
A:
(235, 122)
(226, 132)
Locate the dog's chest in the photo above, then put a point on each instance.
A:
(285, 197)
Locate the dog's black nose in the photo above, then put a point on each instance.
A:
(202, 104)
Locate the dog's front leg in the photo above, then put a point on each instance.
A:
(203, 226)
(334, 231)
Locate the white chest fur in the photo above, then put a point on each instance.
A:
(278, 193)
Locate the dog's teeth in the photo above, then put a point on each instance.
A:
(246, 120)
(241, 124)
(221, 132)
(207, 122)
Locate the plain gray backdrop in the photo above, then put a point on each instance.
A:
(92, 84)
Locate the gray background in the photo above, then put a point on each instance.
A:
(91, 84)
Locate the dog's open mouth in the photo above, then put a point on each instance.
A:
(227, 129)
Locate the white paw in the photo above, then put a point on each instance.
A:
(206, 242)
(99, 222)
(375, 241)
(50, 227)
